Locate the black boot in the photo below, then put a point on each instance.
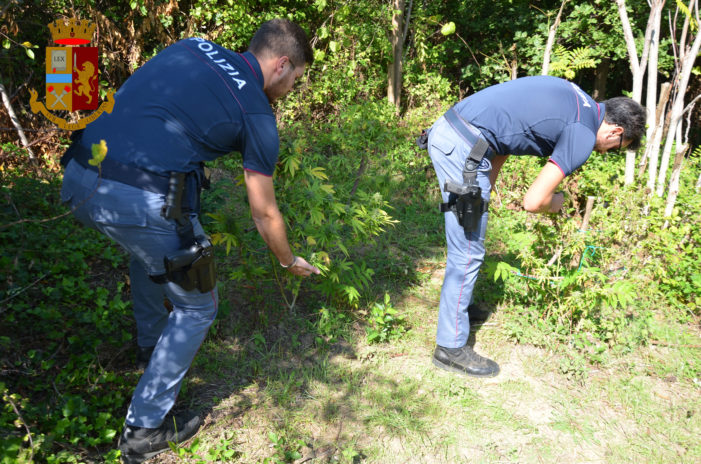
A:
(143, 356)
(464, 361)
(138, 444)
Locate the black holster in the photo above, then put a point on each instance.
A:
(191, 267)
(422, 140)
(466, 202)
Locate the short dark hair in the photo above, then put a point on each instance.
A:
(282, 37)
(628, 114)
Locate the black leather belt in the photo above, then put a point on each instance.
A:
(114, 170)
(468, 133)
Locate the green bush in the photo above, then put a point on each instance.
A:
(606, 283)
(60, 331)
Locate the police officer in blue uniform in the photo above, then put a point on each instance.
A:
(193, 102)
(542, 116)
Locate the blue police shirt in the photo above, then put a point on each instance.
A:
(192, 102)
(538, 115)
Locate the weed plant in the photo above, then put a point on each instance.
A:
(599, 290)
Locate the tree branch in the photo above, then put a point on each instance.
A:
(15, 120)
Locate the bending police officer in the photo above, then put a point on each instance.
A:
(193, 102)
(541, 116)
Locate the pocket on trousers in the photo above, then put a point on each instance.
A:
(443, 145)
(66, 193)
(71, 182)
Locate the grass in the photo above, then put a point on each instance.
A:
(276, 385)
(348, 401)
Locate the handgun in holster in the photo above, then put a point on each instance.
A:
(466, 202)
(191, 267)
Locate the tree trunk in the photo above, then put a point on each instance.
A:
(551, 39)
(601, 73)
(654, 140)
(15, 122)
(651, 97)
(637, 69)
(394, 74)
(674, 181)
(686, 62)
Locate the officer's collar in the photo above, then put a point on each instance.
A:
(252, 62)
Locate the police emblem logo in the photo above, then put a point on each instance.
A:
(72, 82)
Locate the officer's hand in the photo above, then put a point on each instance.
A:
(303, 268)
(557, 201)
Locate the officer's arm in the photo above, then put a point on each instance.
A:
(269, 222)
(497, 163)
(541, 197)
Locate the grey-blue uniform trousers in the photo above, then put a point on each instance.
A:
(448, 153)
(132, 217)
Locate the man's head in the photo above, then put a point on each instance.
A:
(282, 50)
(623, 126)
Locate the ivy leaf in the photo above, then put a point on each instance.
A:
(448, 28)
(99, 151)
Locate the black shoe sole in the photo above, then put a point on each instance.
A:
(448, 367)
(138, 458)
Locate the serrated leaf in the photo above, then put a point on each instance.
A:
(319, 173)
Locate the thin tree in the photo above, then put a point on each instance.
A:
(651, 97)
(687, 52)
(637, 66)
(400, 27)
(551, 39)
(15, 121)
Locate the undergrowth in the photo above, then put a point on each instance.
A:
(360, 202)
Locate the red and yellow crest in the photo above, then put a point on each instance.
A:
(72, 75)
